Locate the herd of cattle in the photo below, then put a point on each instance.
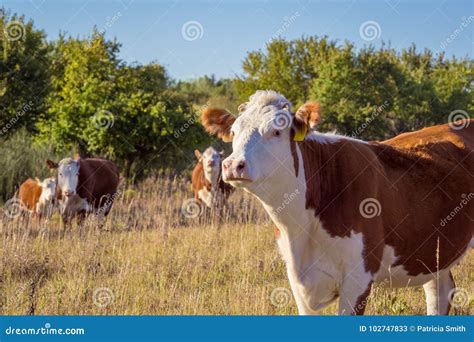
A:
(349, 213)
(84, 186)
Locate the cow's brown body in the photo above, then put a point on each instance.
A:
(98, 182)
(419, 178)
(29, 194)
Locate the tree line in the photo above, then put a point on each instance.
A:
(75, 95)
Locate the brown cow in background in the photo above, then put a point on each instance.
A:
(86, 185)
(38, 197)
(207, 180)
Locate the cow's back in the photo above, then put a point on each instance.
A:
(29, 193)
(428, 195)
(98, 180)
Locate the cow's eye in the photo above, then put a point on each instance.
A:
(60, 174)
(276, 133)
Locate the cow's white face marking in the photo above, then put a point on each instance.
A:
(211, 161)
(261, 138)
(45, 203)
(68, 176)
(48, 190)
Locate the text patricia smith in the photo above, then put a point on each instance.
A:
(441, 328)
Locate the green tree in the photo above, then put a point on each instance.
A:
(128, 113)
(368, 93)
(24, 73)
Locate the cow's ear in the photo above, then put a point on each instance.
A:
(218, 122)
(198, 154)
(51, 164)
(307, 117)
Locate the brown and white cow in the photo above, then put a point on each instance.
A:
(86, 186)
(38, 197)
(351, 213)
(207, 180)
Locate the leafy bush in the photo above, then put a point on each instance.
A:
(21, 158)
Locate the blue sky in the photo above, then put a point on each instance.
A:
(220, 33)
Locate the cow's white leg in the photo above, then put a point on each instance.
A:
(354, 292)
(303, 310)
(437, 293)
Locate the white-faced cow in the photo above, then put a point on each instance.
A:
(86, 186)
(351, 213)
(207, 180)
(38, 197)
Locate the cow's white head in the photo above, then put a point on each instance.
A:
(67, 175)
(262, 137)
(211, 161)
(48, 190)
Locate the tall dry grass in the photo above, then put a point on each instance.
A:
(149, 259)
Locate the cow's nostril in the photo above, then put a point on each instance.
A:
(240, 165)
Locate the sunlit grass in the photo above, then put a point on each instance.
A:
(149, 259)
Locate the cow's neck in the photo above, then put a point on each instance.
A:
(212, 178)
(285, 201)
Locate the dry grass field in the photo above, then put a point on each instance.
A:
(150, 259)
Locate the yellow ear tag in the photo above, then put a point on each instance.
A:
(299, 135)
